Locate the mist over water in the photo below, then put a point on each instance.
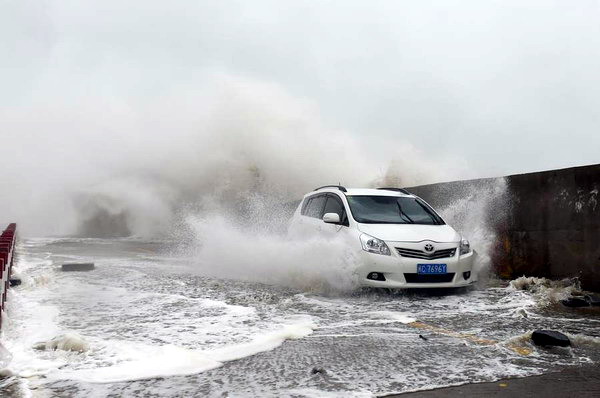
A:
(116, 170)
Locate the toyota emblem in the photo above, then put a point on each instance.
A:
(429, 247)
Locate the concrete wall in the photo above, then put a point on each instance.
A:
(546, 224)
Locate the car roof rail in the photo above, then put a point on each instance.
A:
(401, 190)
(341, 188)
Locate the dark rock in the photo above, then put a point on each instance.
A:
(567, 282)
(550, 338)
(593, 299)
(575, 302)
(14, 282)
(320, 371)
(78, 267)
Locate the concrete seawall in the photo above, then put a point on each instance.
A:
(546, 223)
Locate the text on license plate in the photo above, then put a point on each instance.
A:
(431, 268)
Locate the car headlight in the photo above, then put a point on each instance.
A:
(374, 245)
(465, 247)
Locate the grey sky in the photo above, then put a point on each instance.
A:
(508, 86)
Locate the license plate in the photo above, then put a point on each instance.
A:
(431, 269)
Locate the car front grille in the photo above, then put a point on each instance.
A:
(411, 253)
(433, 278)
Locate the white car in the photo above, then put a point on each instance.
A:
(400, 240)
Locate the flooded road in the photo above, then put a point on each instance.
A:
(149, 324)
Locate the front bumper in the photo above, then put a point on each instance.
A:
(401, 272)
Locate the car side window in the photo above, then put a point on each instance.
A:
(305, 206)
(315, 207)
(335, 205)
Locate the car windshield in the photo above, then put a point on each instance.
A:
(392, 210)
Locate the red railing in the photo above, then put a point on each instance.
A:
(7, 246)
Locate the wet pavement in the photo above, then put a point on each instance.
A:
(583, 382)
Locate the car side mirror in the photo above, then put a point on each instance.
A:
(331, 218)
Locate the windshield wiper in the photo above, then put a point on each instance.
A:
(436, 219)
(403, 214)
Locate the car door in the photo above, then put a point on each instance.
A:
(313, 219)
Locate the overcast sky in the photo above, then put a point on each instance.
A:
(507, 86)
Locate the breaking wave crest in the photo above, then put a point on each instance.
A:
(476, 212)
(546, 291)
(138, 362)
(226, 249)
(65, 342)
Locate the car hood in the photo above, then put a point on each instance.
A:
(411, 232)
